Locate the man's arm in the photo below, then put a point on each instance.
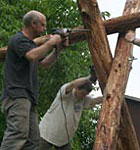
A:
(41, 40)
(49, 60)
(37, 53)
(91, 102)
(76, 83)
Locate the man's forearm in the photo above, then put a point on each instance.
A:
(37, 53)
(76, 83)
(49, 60)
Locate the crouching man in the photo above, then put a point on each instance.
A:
(61, 120)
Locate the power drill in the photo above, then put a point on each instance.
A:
(66, 31)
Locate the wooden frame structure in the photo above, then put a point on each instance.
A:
(115, 129)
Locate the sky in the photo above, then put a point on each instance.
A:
(115, 8)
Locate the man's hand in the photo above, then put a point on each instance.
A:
(59, 42)
(65, 41)
(55, 39)
(130, 36)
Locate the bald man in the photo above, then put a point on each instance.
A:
(19, 96)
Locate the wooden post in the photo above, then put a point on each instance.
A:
(110, 115)
(97, 39)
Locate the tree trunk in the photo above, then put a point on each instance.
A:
(119, 24)
(110, 115)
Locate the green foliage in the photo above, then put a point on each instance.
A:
(73, 62)
(85, 135)
(105, 14)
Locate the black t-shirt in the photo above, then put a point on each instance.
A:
(20, 74)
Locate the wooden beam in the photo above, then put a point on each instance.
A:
(97, 39)
(109, 122)
(123, 23)
(114, 25)
(128, 141)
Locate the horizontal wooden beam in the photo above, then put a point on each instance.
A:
(123, 23)
(114, 25)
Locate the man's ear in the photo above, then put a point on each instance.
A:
(33, 23)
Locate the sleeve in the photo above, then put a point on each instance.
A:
(62, 91)
(22, 46)
(90, 102)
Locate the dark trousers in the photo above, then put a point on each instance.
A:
(44, 145)
(22, 132)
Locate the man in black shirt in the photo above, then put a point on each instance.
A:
(19, 96)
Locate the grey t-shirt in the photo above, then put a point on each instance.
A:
(61, 120)
(20, 75)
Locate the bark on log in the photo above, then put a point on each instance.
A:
(122, 23)
(113, 25)
(97, 39)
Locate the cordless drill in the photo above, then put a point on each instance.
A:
(66, 31)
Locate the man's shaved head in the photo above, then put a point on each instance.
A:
(32, 16)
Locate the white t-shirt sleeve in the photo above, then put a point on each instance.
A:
(62, 91)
